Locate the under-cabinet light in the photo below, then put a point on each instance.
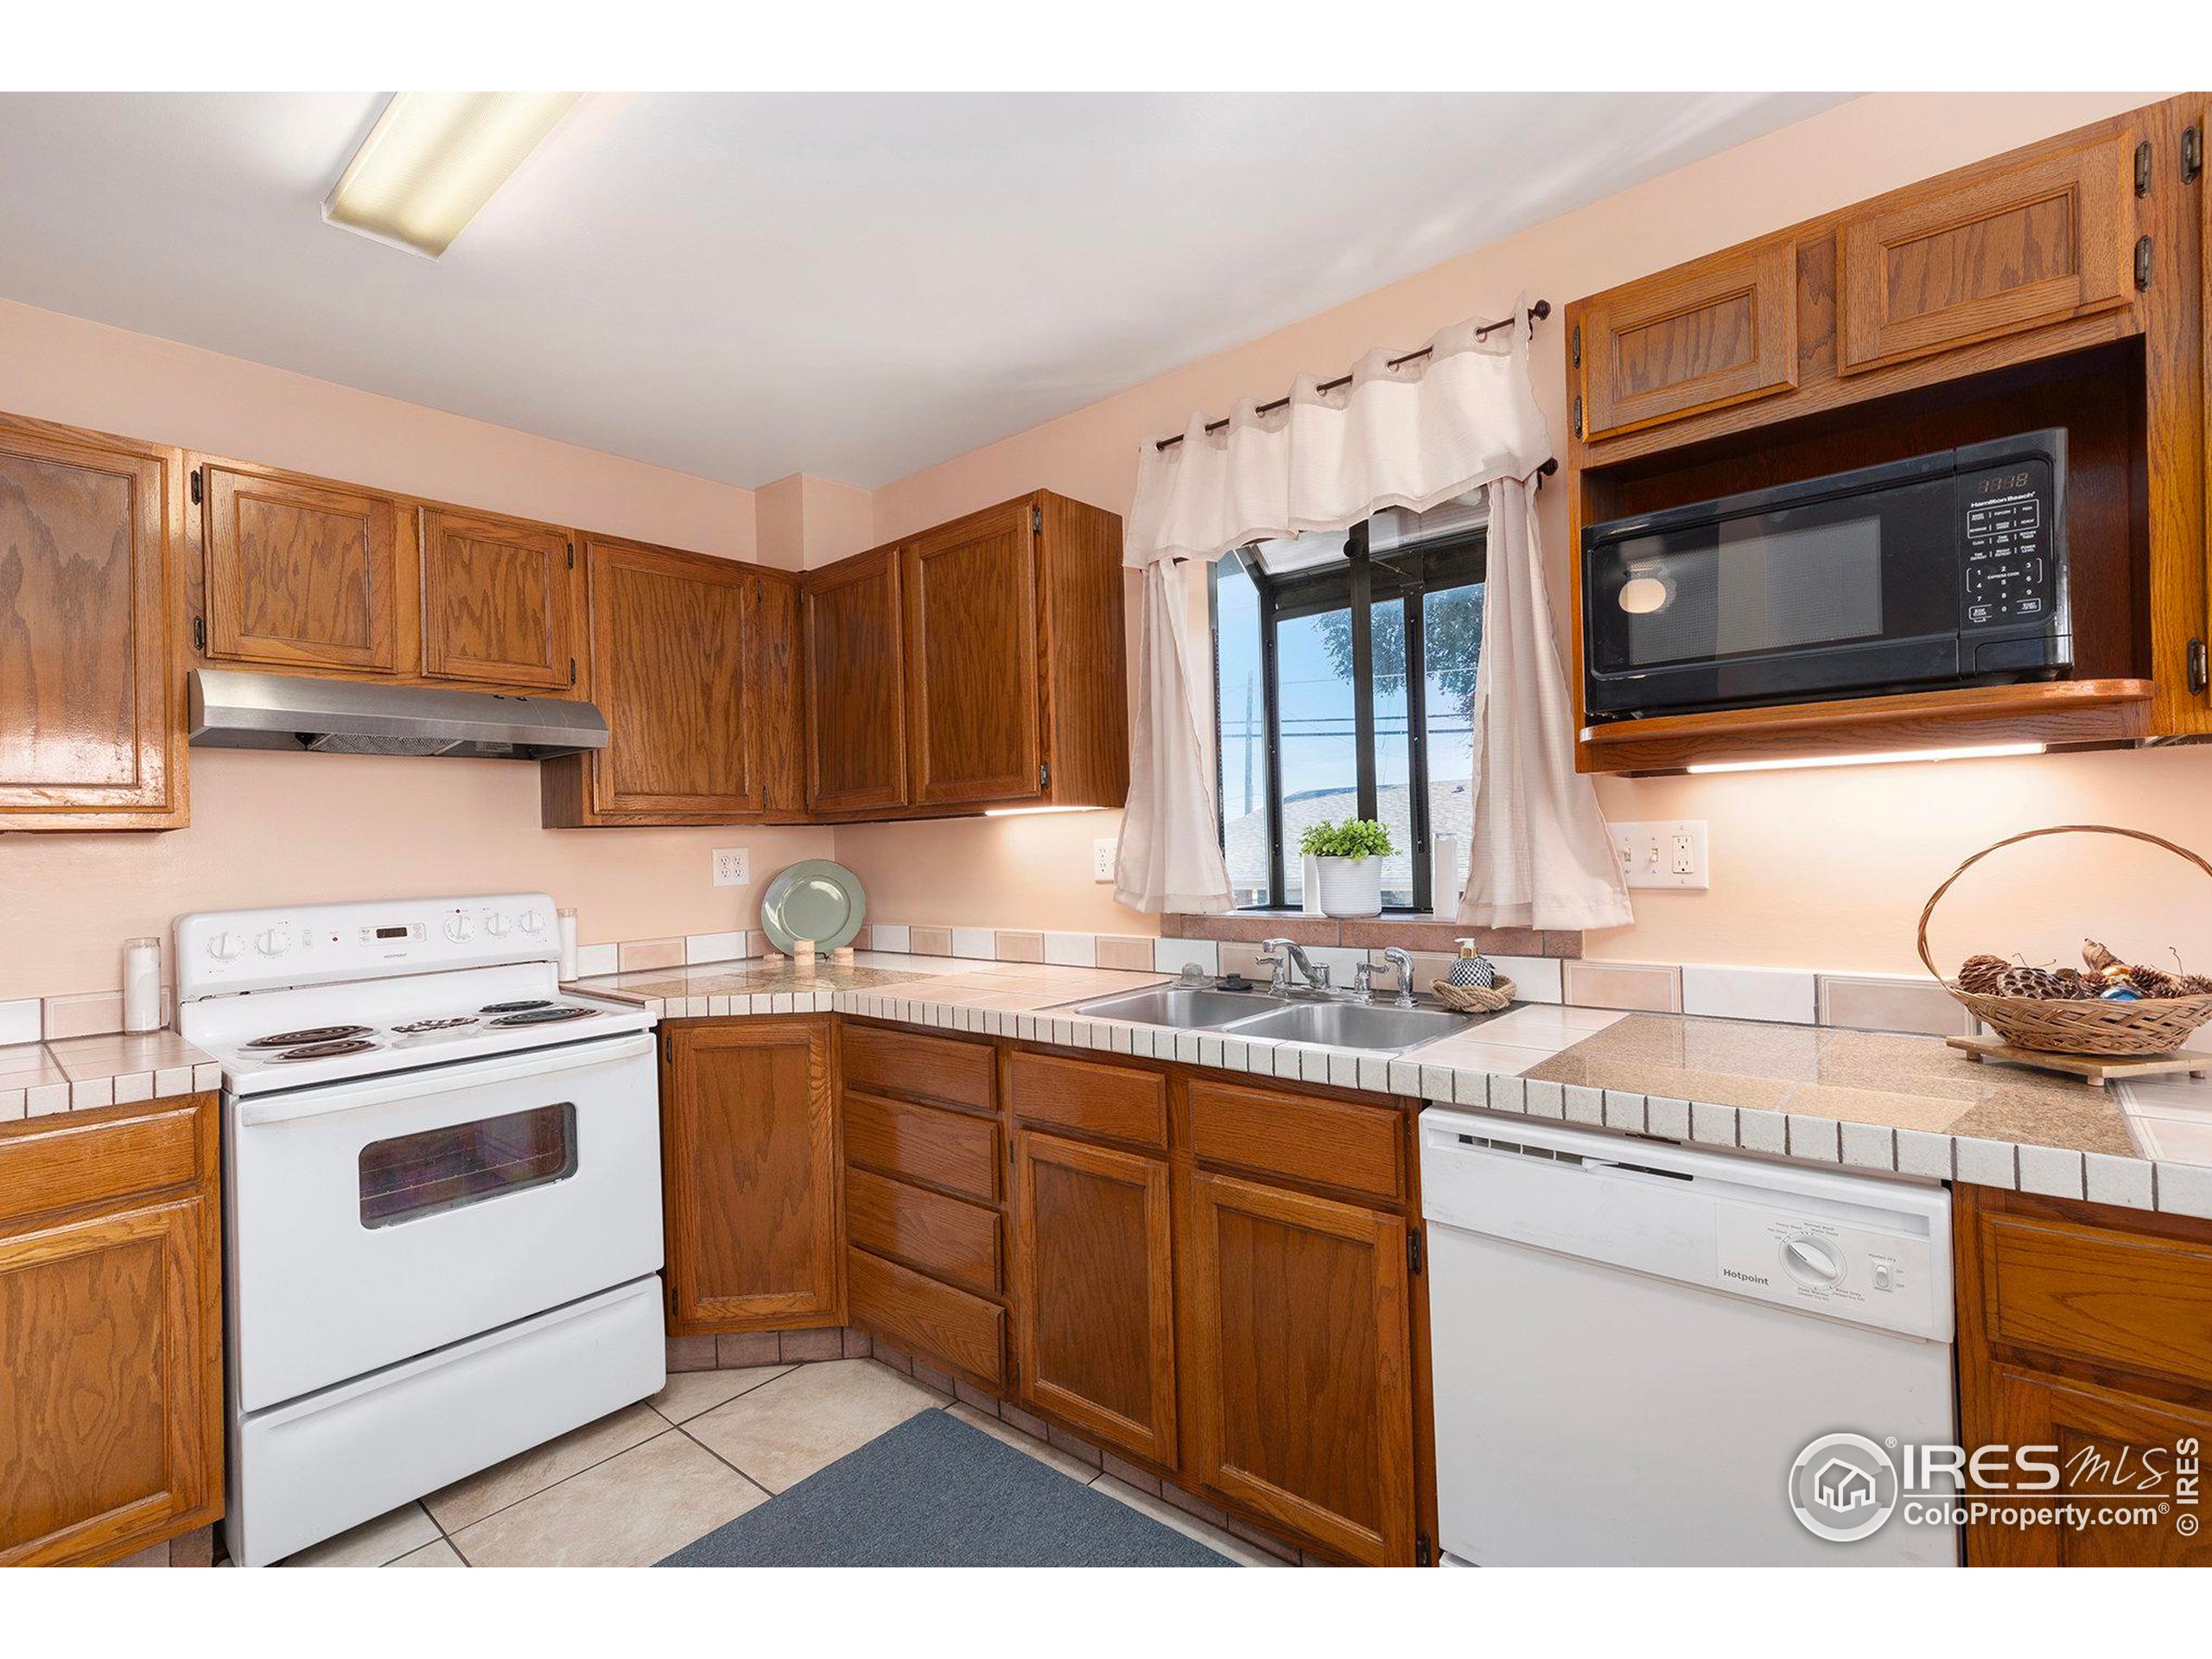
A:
(434, 159)
(1968, 752)
(1034, 811)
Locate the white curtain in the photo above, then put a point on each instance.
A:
(1463, 416)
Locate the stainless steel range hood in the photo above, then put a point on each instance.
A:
(236, 710)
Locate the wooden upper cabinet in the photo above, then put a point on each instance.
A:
(1094, 1302)
(499, 602)
(971, 662)
(1297, 1363)
(751, 1173)
(92, 727)
(1721, 331)
(2008, 245)
(671, 655)
(299, 574)
(853, 630)
(780, 700)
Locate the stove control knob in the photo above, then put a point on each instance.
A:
(460, 929)
(496, 923)
(532, 922)
(275, 943)
(1812, 1262)
(225, 946)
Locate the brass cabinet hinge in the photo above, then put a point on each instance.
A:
(572, 671)
(2142, 263)
(2192, 155)
(199, 488)
(2200, 668)
(1422, 1549)
(1579, 432)
(2143, 169)
(1036, 521)
(1575, 345)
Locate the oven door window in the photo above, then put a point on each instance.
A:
(436, 1170)
(1805, 579)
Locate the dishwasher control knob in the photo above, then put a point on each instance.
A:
(1812, 1262)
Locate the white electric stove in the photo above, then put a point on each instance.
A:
(442, 1197)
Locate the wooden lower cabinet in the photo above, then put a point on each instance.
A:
(1297, 1371)
(2086, 1331)
(1094, 1291)
(751, 1176)
(111, 1333)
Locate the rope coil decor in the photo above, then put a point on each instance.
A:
(2150, 1026)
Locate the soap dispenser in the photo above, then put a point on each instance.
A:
(1472, 968)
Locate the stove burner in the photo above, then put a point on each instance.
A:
(316, 1034)
(421, 1027)
(514, 1008)
(543, 1014)
(326, 1050)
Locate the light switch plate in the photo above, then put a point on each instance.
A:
(1101, 858)
(733, 867)
(1663, 852)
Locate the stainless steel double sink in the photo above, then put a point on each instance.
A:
(1250, 1013)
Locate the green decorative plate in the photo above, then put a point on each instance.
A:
(818, 899)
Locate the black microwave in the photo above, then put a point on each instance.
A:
(1946, 569)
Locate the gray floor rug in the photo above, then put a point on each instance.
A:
(934, 1492)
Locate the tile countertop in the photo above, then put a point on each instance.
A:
(1860, 1100)
(77, 1074)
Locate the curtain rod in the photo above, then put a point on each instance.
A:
(1537, 313)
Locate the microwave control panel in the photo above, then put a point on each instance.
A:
(2007, 568)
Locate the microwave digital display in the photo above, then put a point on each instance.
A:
(1947, 569)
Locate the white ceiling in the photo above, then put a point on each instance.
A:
(744, 286)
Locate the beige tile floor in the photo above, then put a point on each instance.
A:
(640, 1484)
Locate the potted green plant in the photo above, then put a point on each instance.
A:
(1350, 856)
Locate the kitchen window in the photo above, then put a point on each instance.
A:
(1343, 687)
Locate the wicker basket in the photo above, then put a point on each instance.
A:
(2072, 1025)
(1476, 999)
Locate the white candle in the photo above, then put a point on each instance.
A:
(142, 984)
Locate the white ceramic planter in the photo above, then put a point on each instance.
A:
(1352, 886)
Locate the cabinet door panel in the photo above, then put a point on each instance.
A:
(1721, 332)
(855, 677)
(750, 1166)
(498, 604)
(110, 1384)
(1094, 1291)
(90, 716)
(671, 643)
(1297, 1375)
(2010, 246)
(971, 630)
(299, 574)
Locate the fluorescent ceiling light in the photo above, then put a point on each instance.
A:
(434, 159)
(1971, 752)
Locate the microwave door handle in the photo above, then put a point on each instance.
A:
(253, 1112)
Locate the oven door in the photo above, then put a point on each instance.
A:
(1852, 591)
(376, 1220)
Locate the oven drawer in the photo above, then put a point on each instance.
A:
(378, 1220)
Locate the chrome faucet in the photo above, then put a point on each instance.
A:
(1283, 956)
(1394, 958)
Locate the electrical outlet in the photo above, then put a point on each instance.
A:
(1102, 853)
(733, 867)
(1667, 853)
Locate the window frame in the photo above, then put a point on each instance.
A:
(1403, 575)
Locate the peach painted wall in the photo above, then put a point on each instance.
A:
(1815, 869)
(280, 829)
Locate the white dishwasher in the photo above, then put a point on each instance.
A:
(1635, 1342)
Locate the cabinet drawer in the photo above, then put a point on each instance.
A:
(927, 1318)
(1117, 1101)
(941, 1236)
(1302, 1137)
(922, 1067)
(1719, 332)
(2009, 246)
(947, 1149)
(2145, 1304)
(72, 1165)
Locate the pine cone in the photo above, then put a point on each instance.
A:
(2030, 982)
(2097, 956)
(1978, 976)
(2154, 982)
(2076, 985)
(2196, 985)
